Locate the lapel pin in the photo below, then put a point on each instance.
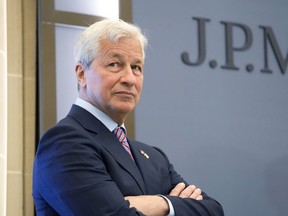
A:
(144, 154)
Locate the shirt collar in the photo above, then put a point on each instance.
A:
(104, 118)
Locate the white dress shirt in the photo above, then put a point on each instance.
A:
(105, 119)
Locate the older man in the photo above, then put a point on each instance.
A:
(85, 165)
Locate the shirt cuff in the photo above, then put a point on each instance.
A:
(171, 208)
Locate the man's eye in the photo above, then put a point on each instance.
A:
(114, 64)
(137, 69)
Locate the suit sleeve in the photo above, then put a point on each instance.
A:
(71, 178)
(186, 206)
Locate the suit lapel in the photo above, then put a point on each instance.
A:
(149, 165)
(109, 142)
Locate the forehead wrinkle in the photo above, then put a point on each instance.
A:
(120, 56)
(115, 55)
(110, 50)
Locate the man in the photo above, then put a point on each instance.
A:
(81, 168)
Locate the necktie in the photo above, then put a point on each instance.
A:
(121, 135)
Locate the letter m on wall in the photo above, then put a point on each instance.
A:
(269, 38)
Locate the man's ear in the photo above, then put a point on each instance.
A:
(80, 75)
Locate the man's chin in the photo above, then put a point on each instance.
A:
(125, 108)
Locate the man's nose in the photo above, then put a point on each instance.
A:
(128, 76)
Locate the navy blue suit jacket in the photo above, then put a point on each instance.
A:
(81, 169)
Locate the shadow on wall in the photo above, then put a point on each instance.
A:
(276, 177)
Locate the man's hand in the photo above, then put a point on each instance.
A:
(191, 191)
(157, 205)
(149, 205)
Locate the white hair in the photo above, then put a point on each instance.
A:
(87, 45)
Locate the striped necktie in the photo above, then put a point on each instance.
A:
(120, 133)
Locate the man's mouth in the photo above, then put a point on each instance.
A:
(125, 94)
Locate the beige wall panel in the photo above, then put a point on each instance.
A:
(30, 38)
(29, 147)
(14, 30)
(21, 83)
(28, 200)
(15, 194)
(3, 108)
(15, 125)
(3, 126)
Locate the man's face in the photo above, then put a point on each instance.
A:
(113, 82)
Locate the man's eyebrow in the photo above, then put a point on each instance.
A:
(138, 61)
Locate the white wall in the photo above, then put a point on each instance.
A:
(65, 37)
(224, 130)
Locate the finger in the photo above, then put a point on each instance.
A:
(196, 193)
(200, 197)
(188, 191)
(177, 189)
